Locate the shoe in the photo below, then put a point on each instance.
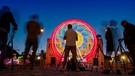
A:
(106, 71)
(132, 73)
(3, 67)
(118, 72)
(62, 70)
(77, 70)
(31, 67)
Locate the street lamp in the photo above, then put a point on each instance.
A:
(31, 51)
(123, 59)
(38, 57)
(42, 30)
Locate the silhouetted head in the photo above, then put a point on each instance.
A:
(124, 23)
(69, 26)
(34, 16)
(42, 51)
(113, 23)
(5, 9)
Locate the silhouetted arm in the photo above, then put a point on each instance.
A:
(13, 21)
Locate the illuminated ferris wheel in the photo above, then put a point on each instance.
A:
(86, 44)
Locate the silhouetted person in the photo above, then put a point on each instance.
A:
(113, 34)
(129, 40)
(6, 18)
(71, 37)
(42, 58)
(109, 42)
(109, 49)
(33, 28)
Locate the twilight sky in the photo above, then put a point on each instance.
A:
(53, 12)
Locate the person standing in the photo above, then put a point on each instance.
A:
(71, 37)
(6, 18)
(113, 34)
(33, 28)
(109, 49)
(129, 40)
(109, 42)
(42, 58)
